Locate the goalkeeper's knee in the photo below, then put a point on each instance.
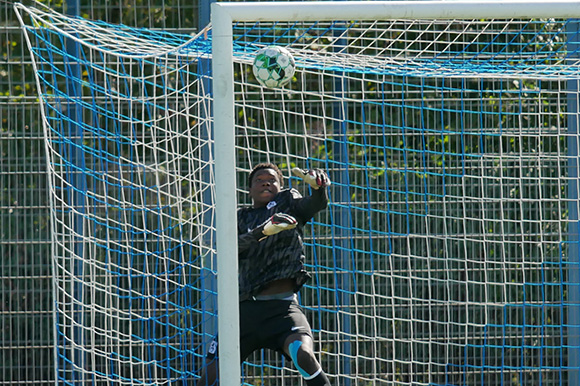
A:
(307, 365)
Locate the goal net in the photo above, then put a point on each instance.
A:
(448, 254)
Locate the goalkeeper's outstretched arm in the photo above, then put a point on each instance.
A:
(318, 200)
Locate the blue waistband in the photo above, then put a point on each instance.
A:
(280, 296)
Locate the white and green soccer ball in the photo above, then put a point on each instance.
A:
(273, 66)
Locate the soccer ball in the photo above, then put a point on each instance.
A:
(273, 66)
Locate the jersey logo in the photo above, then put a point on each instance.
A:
(271, 204)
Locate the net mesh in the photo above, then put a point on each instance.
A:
(448, 254)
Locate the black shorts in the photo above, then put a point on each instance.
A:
(267, 324)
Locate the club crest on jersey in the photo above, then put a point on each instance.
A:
(271, 204)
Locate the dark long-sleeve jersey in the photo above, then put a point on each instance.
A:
(280, 256)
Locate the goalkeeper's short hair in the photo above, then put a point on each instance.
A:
(266, 165)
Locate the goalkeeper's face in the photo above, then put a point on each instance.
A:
(265, 185)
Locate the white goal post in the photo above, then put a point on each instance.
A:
(222, 17)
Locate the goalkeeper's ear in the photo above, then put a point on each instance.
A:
(316, 178)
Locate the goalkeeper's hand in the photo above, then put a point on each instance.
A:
(275, 224)
(316, 178)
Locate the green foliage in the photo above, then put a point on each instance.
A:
(413, 160)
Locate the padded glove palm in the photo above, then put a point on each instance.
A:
(275, 224)
(316, 178)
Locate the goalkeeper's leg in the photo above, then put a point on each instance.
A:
(209, 372)
(300, 348)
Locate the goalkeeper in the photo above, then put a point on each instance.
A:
(271, 271)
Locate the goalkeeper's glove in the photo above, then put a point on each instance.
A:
(316, 178)
(275, 224)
